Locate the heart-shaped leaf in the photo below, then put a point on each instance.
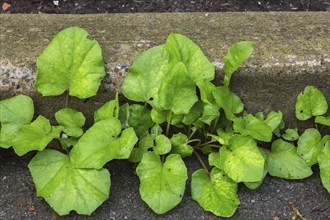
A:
(242, 160)
(101, 143)
(144, 77)
(324, 163)
(177, 91)
(66, 188)
(15, 112)
(35, 136)
(70, 62)
(253, 127)
(182, 49)
(162, 185)
(309, 145)
(311, 102)
(216, 193)
(71, 120)
(283, 161)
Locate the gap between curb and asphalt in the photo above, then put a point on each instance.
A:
(292, 50)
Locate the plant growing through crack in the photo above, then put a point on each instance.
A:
(176, 112)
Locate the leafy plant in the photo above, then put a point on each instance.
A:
(175, 111)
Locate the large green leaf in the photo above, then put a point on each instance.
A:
(66, 188)
(182, 49)
(101, 143)
(253, 127)
(140, 119)
(242, 160)
(235, 57)
(106, 111)
(228, 101)
(70, 62)
(162, 144)
(177, 91)
(273, 120)
(145, 143)
(162, 185)
(310, 102)
(210, 113)
(14, 112)
(194, 113)
(324, 163)
(205, 89)
(283, 161)
(180, 145)
(71, 120)
(35, 136)
(143, 79)
(216, 193)
(310, 145)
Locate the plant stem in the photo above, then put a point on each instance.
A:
(192, 133)
(117, 105)
(194, 140)
(214, 127)
(201, 162)
(207, 143)
(198, 148)
(169, 119)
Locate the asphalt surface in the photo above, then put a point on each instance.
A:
(18, 198)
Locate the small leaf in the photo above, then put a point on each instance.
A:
(180, 145)
(106, 111)
(162, 145)
(291, 134)
(162, 185)
(273, 119)
(228, 101)
(101, 143)
(210, 113)
(253, 127)
(66, 188)
(205, 89)
(194, 113)
(35, 136)
(71, 120)
(70, 62)
(145, 143)
(324, 163)
(217, 193)
(182, 49)
(324, 120)
(283, 161)
(124, 114)
(310, 103)
(235, 57)
(177, 91)
(242, 160)
(140, 119)
(15, 112)
(308, 145)
(144, 77)
(255, 185)
(214, 159)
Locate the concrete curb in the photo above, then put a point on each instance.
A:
(292, 50)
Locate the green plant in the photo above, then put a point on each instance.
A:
(178, 112)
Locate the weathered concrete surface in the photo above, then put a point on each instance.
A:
(292, 50)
